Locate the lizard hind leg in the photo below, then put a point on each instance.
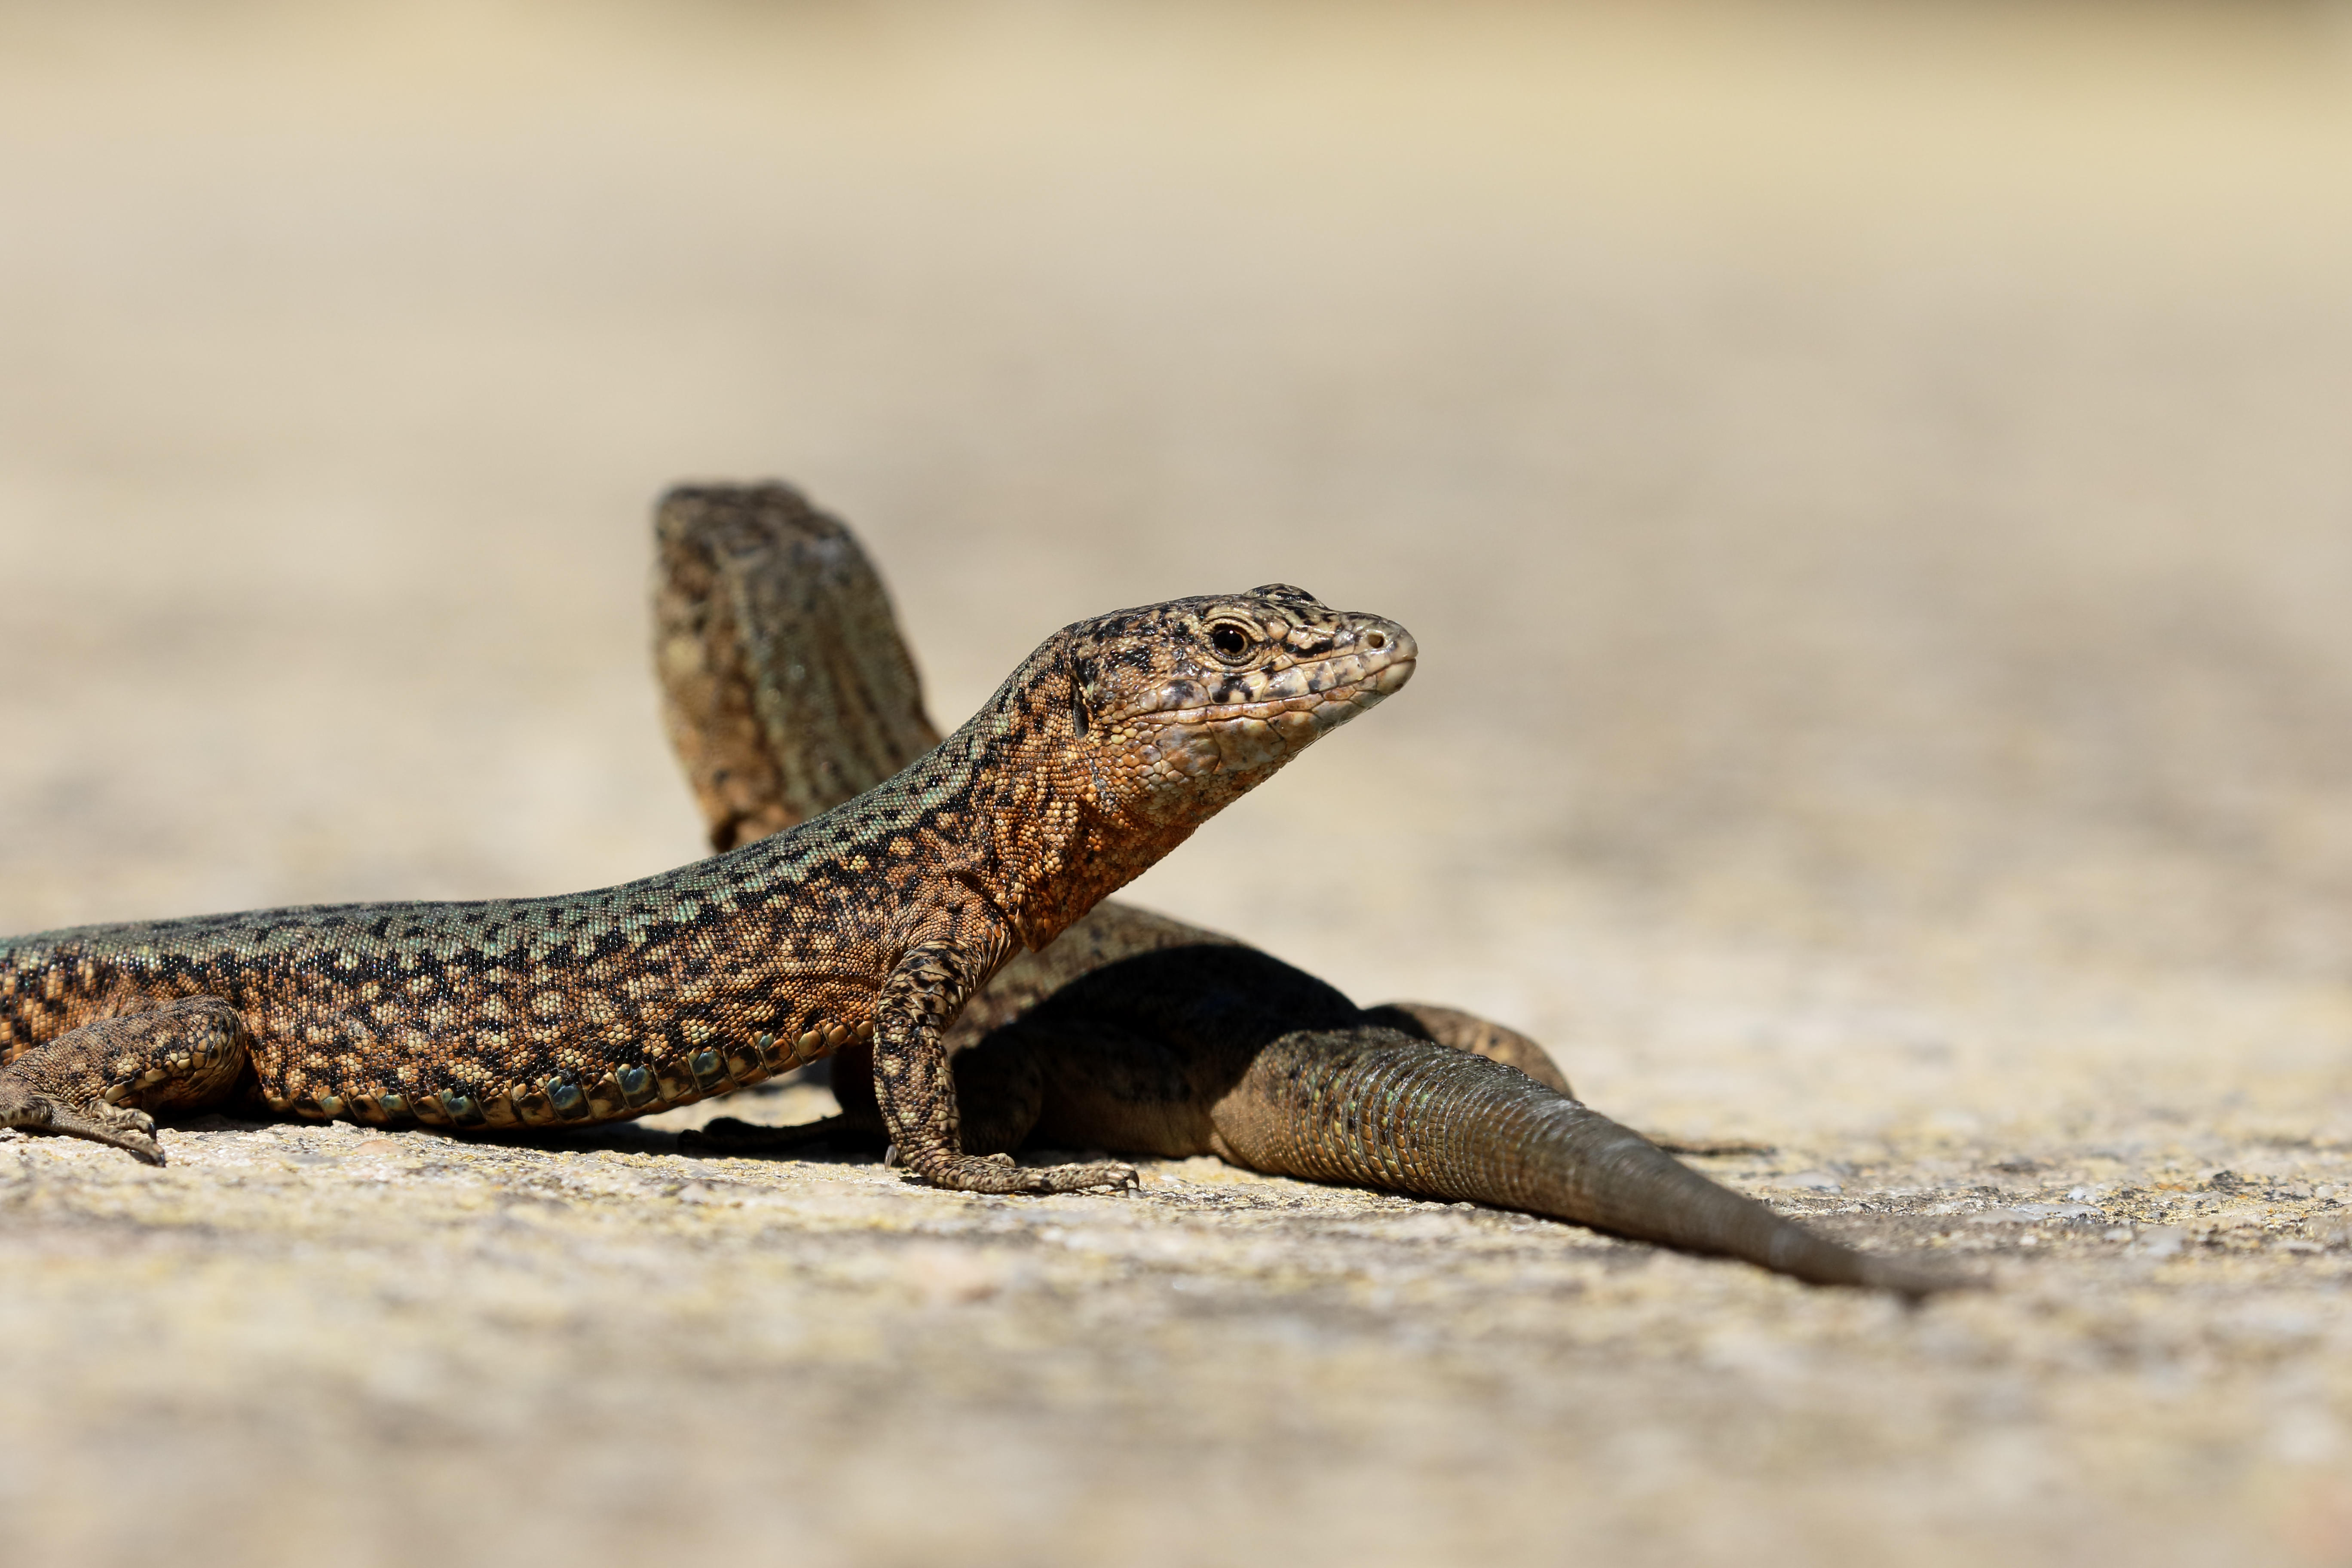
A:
(101, 1081)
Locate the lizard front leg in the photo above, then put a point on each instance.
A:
(916, 1088)
(101, 1080)
(999, 1094)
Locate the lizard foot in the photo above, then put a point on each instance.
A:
(23, 1106)
(98, 1081)
(997, 1173)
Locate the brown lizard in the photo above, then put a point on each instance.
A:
(787, 687)
(870, 924)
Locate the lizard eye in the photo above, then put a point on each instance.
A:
(1230, 641)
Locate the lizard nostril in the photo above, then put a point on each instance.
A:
(1376, 640)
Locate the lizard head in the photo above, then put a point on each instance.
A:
(1121, 735)
(1179, 708)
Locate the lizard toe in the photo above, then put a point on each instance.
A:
(133, 1131)
(998, 1174)
(1111, 1175)
(140, 1146)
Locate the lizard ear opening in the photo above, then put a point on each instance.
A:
(1078, 705)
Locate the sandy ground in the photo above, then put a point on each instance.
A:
(1873, 490)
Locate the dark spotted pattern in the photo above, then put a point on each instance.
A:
(875, 921)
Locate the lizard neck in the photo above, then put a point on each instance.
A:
(1025, 815)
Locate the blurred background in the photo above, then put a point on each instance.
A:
(1873, 483)
(1871, 480)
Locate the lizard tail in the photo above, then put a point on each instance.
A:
(1386, 1110)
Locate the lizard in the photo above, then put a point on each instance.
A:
(787, 686)
(867, 925)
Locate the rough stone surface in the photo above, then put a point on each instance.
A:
(1871, 488)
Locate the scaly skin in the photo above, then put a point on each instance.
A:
(786, 682)
(871, 923)
(787, 689)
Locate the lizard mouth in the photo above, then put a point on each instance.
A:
(1260, 718)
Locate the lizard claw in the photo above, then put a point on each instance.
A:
(129, 1129)
(998, 1174)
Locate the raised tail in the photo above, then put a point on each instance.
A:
(1383, 1109)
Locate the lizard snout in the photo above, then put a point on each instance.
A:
(1256, 720)
(1389, 653)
